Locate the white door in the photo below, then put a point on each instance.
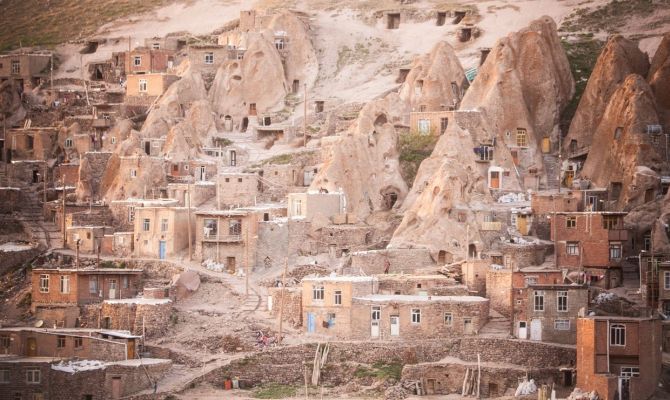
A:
(395, 325)
(203, 175)
(535, 329)
(374, 329)
(523, 330)
(269, 303)
(112, 288)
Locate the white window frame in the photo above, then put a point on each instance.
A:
(93, 284)
(16, 67)
(629, 372)
(618, 335)
(572, 248)
(164, 224)
(65, 284)
(125, 282)
(423, 126)
(113, 140)
(376, 313)
(137, 61)
(615, 248)
(538, 300)
(209, 58)
(416, 315)
(318, 293)
(666, 280)
(133, 173)
(156, 46)
(146, 224)
(338, 297)
(562, 324)
(131, 214)
(44, 283)
(69, 143)
(448, 319)
(143, 85)
(33, 376)
(562, 294)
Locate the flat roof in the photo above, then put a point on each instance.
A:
(340, 278)
(416, 298)
(225, 213)
(71, 331)
(407, 276)
(139, 300)
(618, 318)
(32, 360)
(102, 271)
(558, 286)
(539, 269)
(592, 212)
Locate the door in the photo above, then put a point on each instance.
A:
(468, 329)
(116, 387)
(31, 347)
(147, 148)
(523, 330)
(495, 179)
(430, 386)
(131, 349)
(112, 288)
(521, 224)
(546, 145)
(374, 329)
(162, 249)
(569, 177)
(233, 158)
(311, 322)
(203, 174)
(395, 325)
(535, 329)
(624, 388)
(230, 264)
(515, 157)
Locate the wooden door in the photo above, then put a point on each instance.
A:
(230, 264)
(546, 145)
(430, 386)
(116, 387)
(569, 176)
(495, 179)
(31, 347)
(131, 349)
(521, 224)
(112, 288)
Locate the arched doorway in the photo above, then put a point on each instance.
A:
(227, 123)
(245, 124)
(442, 257)
(472, 250)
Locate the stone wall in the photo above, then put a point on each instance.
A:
(135, 376)
(12, 259)
(401, 260)
(434, 285)
(9, 200)
(151, 319)
(524, 255)
(278, 240)
(292, 313)
(498, 290)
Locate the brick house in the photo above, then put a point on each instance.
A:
(150, 85)
(310, 205)
(619, 355)
(548, 312)
(146, 61)
(161, 232)
(327, 302)
(593, 243)
(409, 317)
(30, 143)
(26, 70)
(434, 285)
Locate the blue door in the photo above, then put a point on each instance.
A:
(161, 249)
(311, 322)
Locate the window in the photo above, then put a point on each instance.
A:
(617, 335)
(416, 316)
(331, 319)
(133, 173)
(60, 341)
(486, 153)
(530, 280)
(78, 342)
(521, 138)
(93, 284)
(666, 280)
(65, 284)
(630, 372)
(572, 248)
(156, 46)
(4, 376)
(252, 108)
(44, 283)
(210, 227)
(562, 300)
(610, 222)
(143, 85)
(562, 324)
(538, 300)
(422, 108)
(235, 227)
(444, 122)
(209, 58)
(137, 61)
(279, 43)
(146, 224)
(113, 140)
(131, 214)
(571, 222)
(617, 133)
(376, 313)
(423, 126)
(125, 282)
(5, 341)
(69, 143)
(448, 319)
(32, 375)
(338, 297)
(318, 293)
(297, 207)
(239, 180)
(615, 250)
(164, 225)
(16, 67)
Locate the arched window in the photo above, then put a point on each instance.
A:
(617, 335)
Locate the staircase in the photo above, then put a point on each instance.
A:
(31, 217)
(551, 167)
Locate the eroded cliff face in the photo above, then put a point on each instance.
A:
(523, 86)
(659, 79)
(436, 80)
(619, 58)
(623, 156)
(256, 79)
(11, 107)
(363, 161)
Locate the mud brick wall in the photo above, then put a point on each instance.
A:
(134, 377)
(89, 316)
(498, 290)
(97, 162)
(132, 317)
(401, 260)
(9, 200)
(524, 255)
(11, 259)
(66, 386)
(97, 216)
(107, 350)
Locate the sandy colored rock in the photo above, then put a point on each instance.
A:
(363, 162)
(435, 81)
(186, 283)
(10, 103)
(619, 58)
(659, 79)
(622, 152)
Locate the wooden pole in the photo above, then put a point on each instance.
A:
(479, 373)
(281, 300)
(188, 198)
(52, 73)
(63, 216)
(44, 181)
(304, 121)
(246, 258)
(304, 369)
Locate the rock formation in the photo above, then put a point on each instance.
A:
(623, 156)
(363, 162)
(436, 80)
(619, 58)
(11, 108)
(659, 79)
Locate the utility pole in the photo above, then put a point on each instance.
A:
(304, 121)
(246, 259)
(560, 158)
(52, 73)
(44, 180)
(188, 198)
(63, 214)
(77, 253)
(281, 300)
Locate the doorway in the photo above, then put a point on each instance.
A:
(245, 124)
(116, 387)
(31, 347)
(311, 322)
(535, 329)
(230, 264)
(233, 158)
(395, 325)
(495, 180)
(523, 330)
(202, 173)
(112, 288)
(392, 21)
(162, 249)
(468, 328)
(131, 349)
(430, 386)
(147, 148)
(296, 86)
(546, 145)
(441, 18)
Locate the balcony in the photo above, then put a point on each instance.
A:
(491, 226)
(617, 234)
(222, 238)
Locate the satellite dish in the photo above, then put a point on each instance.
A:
(39, 324)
